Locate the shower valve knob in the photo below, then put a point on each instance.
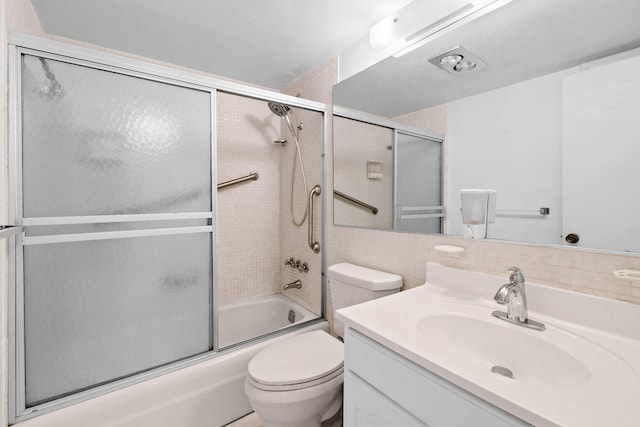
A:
(304, 267)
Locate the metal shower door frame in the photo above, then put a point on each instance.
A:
(19, 44)
(18, 409)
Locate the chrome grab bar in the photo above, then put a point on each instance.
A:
(252, 176)
(315, 191)
(355, 201)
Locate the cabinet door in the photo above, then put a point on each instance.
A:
(429, 398)
(364, 406)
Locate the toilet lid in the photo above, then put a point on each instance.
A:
(299, 359)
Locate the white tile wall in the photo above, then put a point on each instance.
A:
(248, 225)
(315, 86)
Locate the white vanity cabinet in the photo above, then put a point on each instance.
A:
(382, 388)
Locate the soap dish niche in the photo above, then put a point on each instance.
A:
(374, 169)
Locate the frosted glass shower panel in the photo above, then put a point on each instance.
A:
(101, 310)
(96, 142)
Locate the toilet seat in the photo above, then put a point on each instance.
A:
(297, 386)
(299, 362)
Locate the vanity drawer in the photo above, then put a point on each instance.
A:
(365, 406)
(428, 397)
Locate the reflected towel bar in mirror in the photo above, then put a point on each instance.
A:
(355, 201)
(522, 213)
(420, 212)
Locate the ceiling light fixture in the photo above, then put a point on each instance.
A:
(458, 60)
(464, 66)
(422, 20)
(451, 59)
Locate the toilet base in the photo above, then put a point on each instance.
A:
(317, 406)
(333, 416)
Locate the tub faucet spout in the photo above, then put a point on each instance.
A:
(296, 285)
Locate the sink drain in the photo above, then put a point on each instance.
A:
(501, 370)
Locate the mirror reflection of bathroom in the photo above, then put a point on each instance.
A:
(404, 192)
(537, 131)
(262, 223)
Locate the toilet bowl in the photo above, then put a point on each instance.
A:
(297, 382)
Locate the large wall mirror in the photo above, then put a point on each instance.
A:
(549, 120)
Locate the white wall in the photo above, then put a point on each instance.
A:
(510, 140)
(601, 154)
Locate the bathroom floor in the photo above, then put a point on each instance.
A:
(251, 420)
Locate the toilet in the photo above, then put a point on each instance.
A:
(298, 381)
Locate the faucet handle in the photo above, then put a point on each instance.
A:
(516, 275)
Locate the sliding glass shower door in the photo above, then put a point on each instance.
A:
(115, 197)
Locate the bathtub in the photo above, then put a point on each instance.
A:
(209, 393)
(254, 317)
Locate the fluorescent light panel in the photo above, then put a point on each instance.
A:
(422, 20)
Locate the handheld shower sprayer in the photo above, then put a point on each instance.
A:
(284, 111)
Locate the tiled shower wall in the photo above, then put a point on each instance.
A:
(315, 86)
(248, 213)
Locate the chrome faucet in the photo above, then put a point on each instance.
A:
(514, 295)
(295, 285)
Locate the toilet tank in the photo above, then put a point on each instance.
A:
(352, 284)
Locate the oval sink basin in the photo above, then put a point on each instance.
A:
(551, 358)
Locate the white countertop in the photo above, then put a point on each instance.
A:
(609, 330)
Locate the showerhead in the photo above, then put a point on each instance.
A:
(279, 110)
(283, 111)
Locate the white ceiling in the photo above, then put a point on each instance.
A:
(264, 42)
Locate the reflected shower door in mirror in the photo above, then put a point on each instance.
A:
(386, 175)
(264, 221)
(418, 184)
(553, 131)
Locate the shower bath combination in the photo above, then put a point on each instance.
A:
(284, 111)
